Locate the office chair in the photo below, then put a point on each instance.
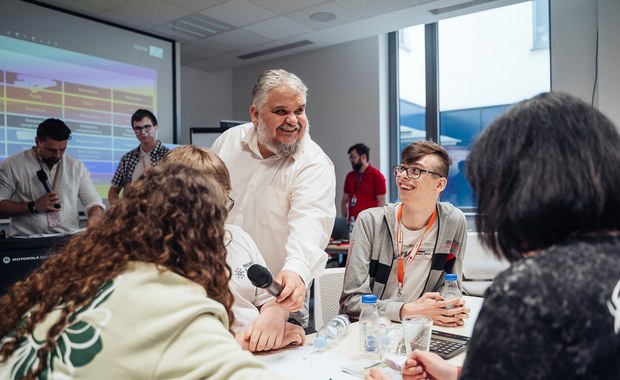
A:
(479, 267)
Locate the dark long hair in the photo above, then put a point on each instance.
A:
(173, 217)
(545, 170)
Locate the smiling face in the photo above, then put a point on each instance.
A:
(281, 122)
(425, 189)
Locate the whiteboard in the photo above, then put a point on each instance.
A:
(204, 137)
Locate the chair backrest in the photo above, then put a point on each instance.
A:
(480, 267)
(327, 291)
(479, 264)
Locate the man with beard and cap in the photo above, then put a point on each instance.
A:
(283, 185)
(137, 161)
(364, 186)
(26, 200)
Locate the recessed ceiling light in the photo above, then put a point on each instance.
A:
(322, 16)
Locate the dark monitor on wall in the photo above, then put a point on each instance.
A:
(20, 256)
(225, 124)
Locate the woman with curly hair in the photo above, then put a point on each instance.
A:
(144, 294)
(260, 322)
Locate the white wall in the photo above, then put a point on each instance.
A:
(346, 98)
(574, 26)
(205, 99)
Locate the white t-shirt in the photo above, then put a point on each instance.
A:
(241, 254)
(416, 271)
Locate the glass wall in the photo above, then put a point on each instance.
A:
(485, 62)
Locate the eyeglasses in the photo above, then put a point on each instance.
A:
(231, 204)
(412, 172)
(145, 127)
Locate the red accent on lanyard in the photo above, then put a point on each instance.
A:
(414, 249)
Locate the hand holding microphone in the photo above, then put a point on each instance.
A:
(290, 290)
(46, 184)
(261, 278)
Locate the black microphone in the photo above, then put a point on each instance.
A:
(46, 183)
(261, 278)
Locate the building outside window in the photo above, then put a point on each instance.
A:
(486, 62)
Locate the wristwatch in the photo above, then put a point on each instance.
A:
(32, 207)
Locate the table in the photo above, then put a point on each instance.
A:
(307, 363)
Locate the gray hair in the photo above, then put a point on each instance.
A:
(273, 78)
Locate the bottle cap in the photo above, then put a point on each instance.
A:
(369, 298)
(320, 342)
(451, 277)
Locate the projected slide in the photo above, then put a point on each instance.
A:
(95, 97)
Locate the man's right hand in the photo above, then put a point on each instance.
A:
(293, 293)
(433, 306)
(46, 202)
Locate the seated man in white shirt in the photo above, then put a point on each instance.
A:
(284, 185)
(260, 323)
(41, 186)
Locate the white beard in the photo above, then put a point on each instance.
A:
(275, 146)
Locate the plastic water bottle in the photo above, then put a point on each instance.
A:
(368, 323)
(331, 333)
(351, 223)
(451, 289)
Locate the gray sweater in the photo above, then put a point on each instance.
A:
(373, 249)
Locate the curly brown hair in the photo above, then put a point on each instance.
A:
(172, 217)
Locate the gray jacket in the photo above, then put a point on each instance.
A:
(373, 249)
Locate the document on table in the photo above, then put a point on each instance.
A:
(308, 363)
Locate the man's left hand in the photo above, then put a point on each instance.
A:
(293, 291)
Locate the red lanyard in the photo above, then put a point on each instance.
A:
(414, 249)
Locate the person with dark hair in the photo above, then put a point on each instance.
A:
(546, 176)
(136, 162)
(284, 185)
(364, 186)
(401, 251)
(260, 323)
(37, 208)
(143, 294)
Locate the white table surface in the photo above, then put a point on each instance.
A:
(307, 363)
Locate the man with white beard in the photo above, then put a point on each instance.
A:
(283, 185)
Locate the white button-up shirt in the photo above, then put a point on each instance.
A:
(287, 205)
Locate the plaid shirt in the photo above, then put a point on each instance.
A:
(130, 160)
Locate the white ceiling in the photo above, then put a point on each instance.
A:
(213, 34)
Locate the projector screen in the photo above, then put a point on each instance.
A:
(91, 75)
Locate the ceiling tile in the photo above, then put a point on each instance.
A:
(238, 39)
(81, 8)
(193, 5)
(343, 16)
(101, 4)
(286, 6)
(153, 11)
(278, 28)
(369, 8)
(238, 13)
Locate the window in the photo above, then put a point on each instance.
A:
(485, 62)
